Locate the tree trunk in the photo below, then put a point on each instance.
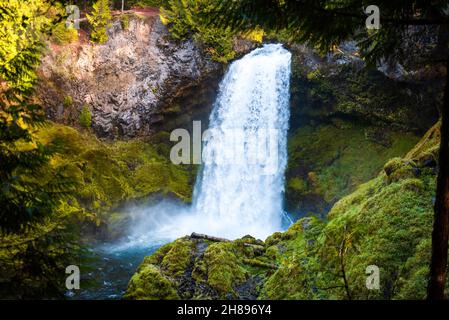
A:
(438, 265)
(123, 5)
(341, 254)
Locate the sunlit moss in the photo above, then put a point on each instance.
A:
(224, 270)
(176, 260)
(109, 173)
(148, 283)
(255, 35)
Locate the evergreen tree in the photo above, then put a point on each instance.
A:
(24, 197)
(99, 19)
(37, 236)
(190, 18)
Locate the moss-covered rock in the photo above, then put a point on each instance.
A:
(224, 270)
(385, 222)
(204, 269)
(175, 262)
(148, 283)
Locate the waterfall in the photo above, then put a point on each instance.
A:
(240, 187)
(243, 193)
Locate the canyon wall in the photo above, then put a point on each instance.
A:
(130, 83)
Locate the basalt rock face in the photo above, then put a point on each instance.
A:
(341, 85)
(130, 83)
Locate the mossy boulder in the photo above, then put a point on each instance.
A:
(175, 262)
(385, 222)
(224, 269)
(148, 283)
(205, 269)
(397, 169)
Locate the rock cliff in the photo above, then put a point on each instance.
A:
(130, 83)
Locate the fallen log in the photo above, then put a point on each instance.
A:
(195, 235)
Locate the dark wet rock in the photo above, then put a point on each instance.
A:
(341, 86)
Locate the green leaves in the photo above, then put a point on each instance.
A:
(189, 18)
(99, 19)
(26, 196)
(85, 117)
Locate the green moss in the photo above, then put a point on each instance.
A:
(177, 259)
(124, 21)
(328, 161)
(85, 118)
(68, 101)
(259, 263)
(272, 253)
(223, 268)
(385, 222)
(156, 277)
(148, 283)
(158, 256)
(199, 272)
(294, 252)
(284, 284)
(388, 221)
(273, 239)
(427, 149)
(109, 173)
(397, 169)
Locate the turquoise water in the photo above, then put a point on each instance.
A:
(107, 275)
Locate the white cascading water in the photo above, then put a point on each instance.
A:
(245, 195)
(240, 188)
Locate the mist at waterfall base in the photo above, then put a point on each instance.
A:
(239, 189)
